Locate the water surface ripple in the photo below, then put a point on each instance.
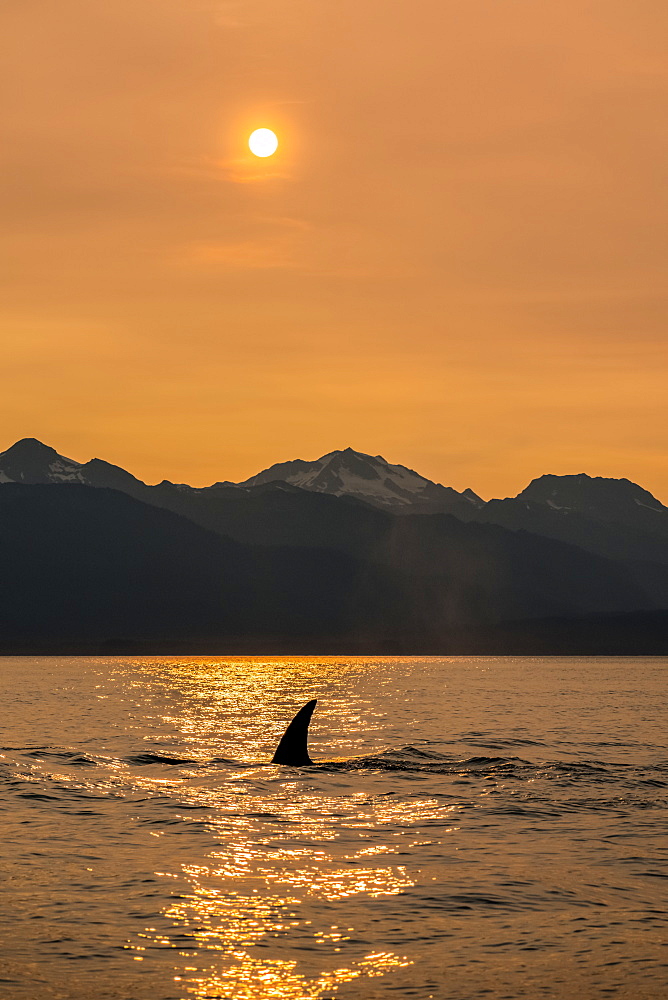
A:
(477, 827)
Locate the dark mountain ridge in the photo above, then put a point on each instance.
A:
(288, 563)
(97, 566)
(613, 517)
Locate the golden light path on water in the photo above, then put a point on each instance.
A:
(281, 852)
(499, 826)
(216, 918)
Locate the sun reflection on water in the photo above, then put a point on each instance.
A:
(279, 979)
(277, 899)
(153, 851)
(203, 700)
(271, 909)
(232, 923)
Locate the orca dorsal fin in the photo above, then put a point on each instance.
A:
(292, 749)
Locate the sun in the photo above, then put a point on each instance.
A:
(263, 142)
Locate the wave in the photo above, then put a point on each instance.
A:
(420, 758)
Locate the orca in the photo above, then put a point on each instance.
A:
(292, 749)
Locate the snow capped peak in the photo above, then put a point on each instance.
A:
(33, 463)
(586, 494)
(366, 477)
(30, 461)
(345, 472)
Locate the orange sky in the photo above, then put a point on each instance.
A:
(457, 258)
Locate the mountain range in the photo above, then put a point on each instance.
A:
(348, 552)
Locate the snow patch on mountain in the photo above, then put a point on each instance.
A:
(366, 477)
(31, 462)
(65, 471)
(589, 495)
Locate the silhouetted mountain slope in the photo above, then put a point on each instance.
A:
(459, 571)
(276, 514)
(494, 574)
(612, 517)
(95, 565)
(518, 573)
(612, 499)
(295, 559)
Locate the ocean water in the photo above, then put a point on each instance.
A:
(498, 831)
